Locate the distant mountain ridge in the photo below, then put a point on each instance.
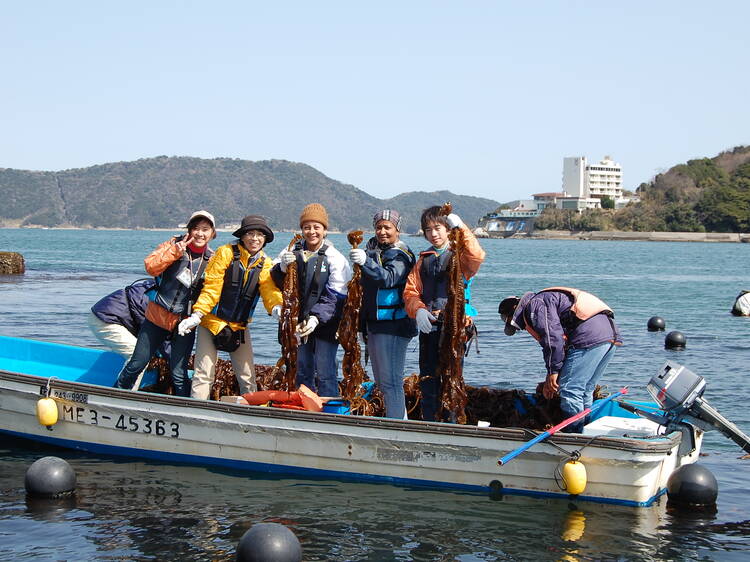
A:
(164, 191)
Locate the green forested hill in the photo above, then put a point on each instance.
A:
(163, 191)
(702, 195)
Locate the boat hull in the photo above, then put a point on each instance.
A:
(104, 420)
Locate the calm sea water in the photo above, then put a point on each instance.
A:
(145, 511)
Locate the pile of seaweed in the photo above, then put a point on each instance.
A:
(499, 407)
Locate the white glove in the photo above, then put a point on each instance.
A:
(287, 257)
(357, 255)
(187, 325)
(276, 313)
(307, 327)
(425, 319)
(454, 221)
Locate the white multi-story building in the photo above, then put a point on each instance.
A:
(592, 181)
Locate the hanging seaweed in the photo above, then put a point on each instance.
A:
(286, 366)
(351, 366)
(453, 335)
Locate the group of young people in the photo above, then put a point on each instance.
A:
(205, 299)
(213, 295)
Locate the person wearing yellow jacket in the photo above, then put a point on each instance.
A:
(237, 275)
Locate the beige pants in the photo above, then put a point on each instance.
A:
(115, 336)
(205, 364)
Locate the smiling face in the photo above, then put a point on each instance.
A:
(202, 232)
(386, 232)
(436, 234)
(314, 233)
(253, 240)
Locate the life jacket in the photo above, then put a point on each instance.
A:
(301, 399)
(585, 306)
(239, 295)
(172, 295)
(389, 301)
(434, 276)
(313, 277)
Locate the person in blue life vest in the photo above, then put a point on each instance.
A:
(178, 265)
(323, 274)
(236, 277)
(386, 262)
(578, 336)
(426, 295)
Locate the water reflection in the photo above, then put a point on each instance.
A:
(140, 510)
(50, 509)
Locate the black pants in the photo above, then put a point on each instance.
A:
(430, 383)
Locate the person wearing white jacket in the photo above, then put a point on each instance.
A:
(323, 274)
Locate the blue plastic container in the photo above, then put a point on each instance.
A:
(337, 407)
(612, 408)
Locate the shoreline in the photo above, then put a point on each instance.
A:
(621, 235)
(618, 235)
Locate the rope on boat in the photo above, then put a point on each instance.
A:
(49, 382)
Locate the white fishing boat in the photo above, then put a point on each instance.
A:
(626, 460)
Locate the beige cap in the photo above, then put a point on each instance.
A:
(203, 214)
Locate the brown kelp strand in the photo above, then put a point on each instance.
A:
(286, 366)
(353, 373)
(453, 335)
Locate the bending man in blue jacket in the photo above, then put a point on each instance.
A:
(578, 336)
(116, 319)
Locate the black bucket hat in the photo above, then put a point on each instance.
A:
(254, 222)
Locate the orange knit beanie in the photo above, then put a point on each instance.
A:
(314, 212)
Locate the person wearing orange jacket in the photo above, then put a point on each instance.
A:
(236, 277)
(178, 265)
(426, 294)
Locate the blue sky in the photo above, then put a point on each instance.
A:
(482, 98)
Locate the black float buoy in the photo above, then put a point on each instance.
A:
(269, 542)
(496, 490)
(50, 477)
(656, 324)
(692, 485)
(675, 340)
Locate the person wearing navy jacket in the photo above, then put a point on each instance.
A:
(116, 319)
(578, 336)
(386, 264)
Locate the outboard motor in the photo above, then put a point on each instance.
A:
(679, 392)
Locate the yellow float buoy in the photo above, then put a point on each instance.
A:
(46, 412)
(574, 476)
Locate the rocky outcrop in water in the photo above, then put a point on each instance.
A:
(11, 263)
